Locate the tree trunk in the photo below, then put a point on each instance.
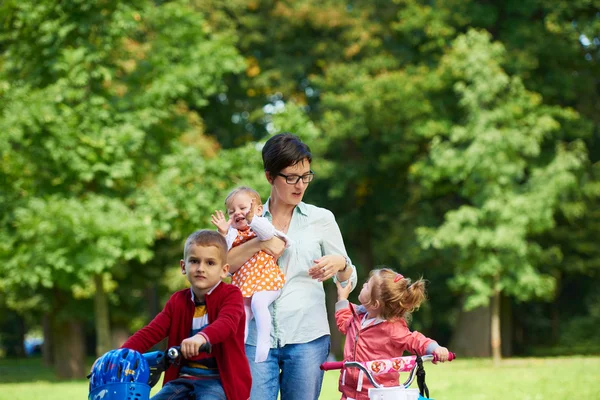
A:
(337, 343)
(69, 349)
(153, 306)
(101, 318)
(365, 257)
(47, 346)
(13, 329)
(21, 331)
(119, 334)
(555, 309)
(506, 326)
(496, 341)
(471, 337)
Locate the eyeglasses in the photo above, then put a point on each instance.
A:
(293, 179)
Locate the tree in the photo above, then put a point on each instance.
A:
(510, 188)
(366, 74)
(94, 94)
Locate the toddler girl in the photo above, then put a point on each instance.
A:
(260, 279)
(377, 328)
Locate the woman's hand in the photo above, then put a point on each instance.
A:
(343, 292)
(274, 246)
(326, 267)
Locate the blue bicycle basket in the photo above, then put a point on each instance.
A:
(121, 374)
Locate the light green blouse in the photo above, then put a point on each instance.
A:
(299, 314)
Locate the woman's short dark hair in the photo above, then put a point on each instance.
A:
(284, 150)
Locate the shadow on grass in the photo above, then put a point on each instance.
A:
(22, 370)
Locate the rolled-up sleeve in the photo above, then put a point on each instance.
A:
(230, 237)
(263, 228)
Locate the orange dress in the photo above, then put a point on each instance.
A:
(260, 273)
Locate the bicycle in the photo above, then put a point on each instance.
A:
(125, 374)
(411, 364)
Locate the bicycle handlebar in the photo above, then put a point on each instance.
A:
(159, 361)
(376, 367)
(331, 365)
(172, 354)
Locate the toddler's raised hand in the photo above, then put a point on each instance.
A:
(218, 220)
(343, 292)
(250, 213)
(441, 353)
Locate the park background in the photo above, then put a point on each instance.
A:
(456, 140)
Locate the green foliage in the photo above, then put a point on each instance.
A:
(510, 189)
(192, 185)
(112, 96)
(457, 140)
(95, 95)
(61, 243)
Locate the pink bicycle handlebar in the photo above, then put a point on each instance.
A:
(331, 365)
(378, 367)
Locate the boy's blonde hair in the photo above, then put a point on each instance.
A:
(397, 296)
(205, 238)
(243, 189)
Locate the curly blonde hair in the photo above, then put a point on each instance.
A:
(397, 295)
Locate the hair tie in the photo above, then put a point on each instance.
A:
(398, 277)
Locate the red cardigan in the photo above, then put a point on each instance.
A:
(225, 333)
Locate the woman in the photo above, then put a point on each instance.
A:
(300, 332)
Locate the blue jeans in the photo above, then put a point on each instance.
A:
(180, 389)
(293, 369)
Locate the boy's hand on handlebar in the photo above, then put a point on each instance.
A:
(343, 292)
(190, 346)
(441, 353)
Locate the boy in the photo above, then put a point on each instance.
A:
(210, 312)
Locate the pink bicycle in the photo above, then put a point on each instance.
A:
(411, 364)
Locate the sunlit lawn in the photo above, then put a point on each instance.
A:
(523, 379)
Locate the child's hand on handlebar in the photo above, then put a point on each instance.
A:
(190, 347)
(441, 353)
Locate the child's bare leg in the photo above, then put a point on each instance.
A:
(249, 316)
(260, 308)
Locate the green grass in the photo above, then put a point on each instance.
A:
(520, 378)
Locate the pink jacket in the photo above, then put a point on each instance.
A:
(380, 340)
